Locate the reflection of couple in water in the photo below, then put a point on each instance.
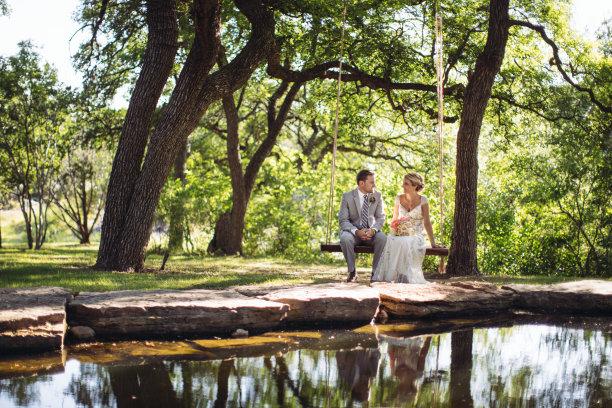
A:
(407, 360)
(356, 368)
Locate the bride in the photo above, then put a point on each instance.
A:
(402, 258)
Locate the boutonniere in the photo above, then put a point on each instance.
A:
(372, 199)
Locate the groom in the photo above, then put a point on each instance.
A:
(361, 217)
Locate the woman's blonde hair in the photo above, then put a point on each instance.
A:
(416, 179)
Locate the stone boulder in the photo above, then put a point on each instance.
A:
(400, 300)
(330, 303)
(162, 313)
(584, 296)
(32, 318)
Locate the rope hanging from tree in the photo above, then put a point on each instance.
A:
(335, 144)
(440, 91)
(440, 95)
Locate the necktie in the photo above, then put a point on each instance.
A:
(364, 212)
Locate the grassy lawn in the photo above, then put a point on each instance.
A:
(68, 265)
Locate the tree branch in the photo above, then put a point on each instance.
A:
(556, 60)
(323, 71)
(531, 109)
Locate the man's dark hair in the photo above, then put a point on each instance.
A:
(363, 175)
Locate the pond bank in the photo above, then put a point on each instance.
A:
(45, 318)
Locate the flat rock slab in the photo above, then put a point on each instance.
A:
(584, 296)
(32, 318)
(327, 303)
(402, 300)
(159, 313)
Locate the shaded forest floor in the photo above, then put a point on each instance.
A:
(69, 266)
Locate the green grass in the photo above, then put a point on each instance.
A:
(69, 265)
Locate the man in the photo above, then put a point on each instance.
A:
(361, 218)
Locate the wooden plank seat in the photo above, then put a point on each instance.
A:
(364, 249)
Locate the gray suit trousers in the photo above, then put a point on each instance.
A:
(348, 242)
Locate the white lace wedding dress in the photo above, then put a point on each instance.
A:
(402, 258)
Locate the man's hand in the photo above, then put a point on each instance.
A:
(365, 234)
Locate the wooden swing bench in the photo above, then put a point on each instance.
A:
(365, 249)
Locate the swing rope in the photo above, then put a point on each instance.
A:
(335, 144)
(440, 96)
(440, 91)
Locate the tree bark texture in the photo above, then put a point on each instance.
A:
(157, 63)
(462, 256)
(195, 90)
(229, 229)
(230, 225)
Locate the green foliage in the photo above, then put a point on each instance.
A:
(81, 190)
(4, 8)
(33, 112)
(287, 214)
(204, 195)
(112, 55)
(545, 208)
(543, 204)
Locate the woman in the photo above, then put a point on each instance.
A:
(402, 258)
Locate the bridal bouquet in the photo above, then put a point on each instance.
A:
(402, 227)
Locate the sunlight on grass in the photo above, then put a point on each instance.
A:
(68, 265)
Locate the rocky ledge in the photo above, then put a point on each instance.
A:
(159, 313)
(35, 318)
(32, 318)
(592, 297)
(433, 300)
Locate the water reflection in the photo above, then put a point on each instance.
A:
(407, 362)
(356, 369)
(523, 365)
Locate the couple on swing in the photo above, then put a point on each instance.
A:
(397, 258)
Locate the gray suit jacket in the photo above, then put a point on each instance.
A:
(350, 211)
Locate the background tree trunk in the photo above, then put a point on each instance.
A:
(229, 229)
(177, 228)
(28, 224)
(462, 257)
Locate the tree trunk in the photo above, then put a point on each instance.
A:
(462, 257)
(177, 229)
(156, 67)
(195, 90)
(461, 369)
(85, 206)
(28, 223)
(229, 229)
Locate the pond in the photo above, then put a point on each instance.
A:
(567, 364)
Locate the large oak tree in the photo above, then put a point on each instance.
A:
(137, 179)
(384, 54)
